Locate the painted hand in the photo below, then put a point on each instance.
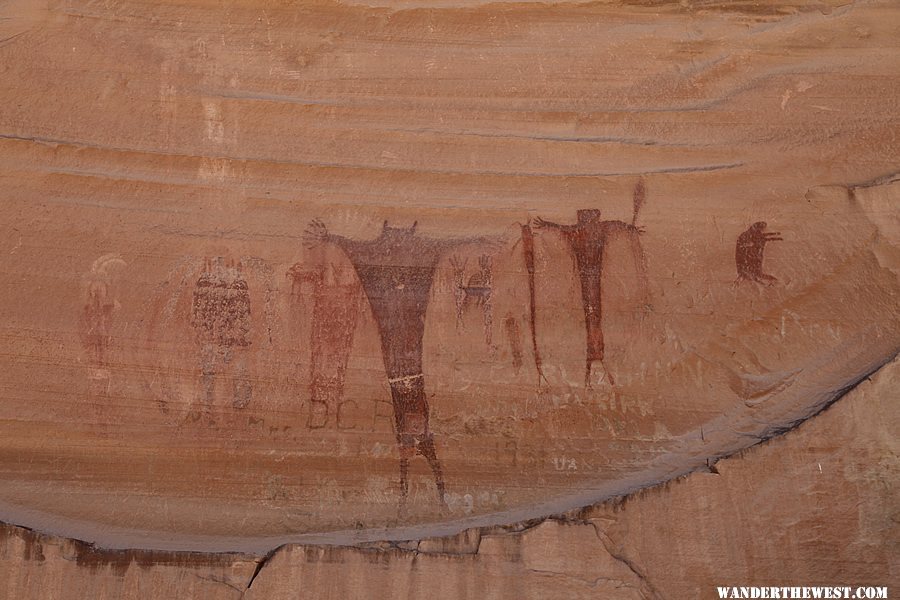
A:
(315, 234)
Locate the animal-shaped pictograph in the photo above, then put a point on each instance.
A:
(749, 250)
(397, 270)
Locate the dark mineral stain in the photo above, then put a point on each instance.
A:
(118, 561)
(34, 548)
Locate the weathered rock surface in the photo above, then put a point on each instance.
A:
(813, 506)
(358, 273)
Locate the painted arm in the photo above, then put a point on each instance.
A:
(540, 223)
(617, 226)
(637, 253)
(316, 234)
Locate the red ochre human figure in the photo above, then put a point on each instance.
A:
(587, 239)
(749, 250)
(478, 290)
(528, 254)
(397, 270)
(336, 302)
(97, 317)
(514, 338)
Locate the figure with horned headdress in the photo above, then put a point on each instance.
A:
(587, 239)
(396, 270)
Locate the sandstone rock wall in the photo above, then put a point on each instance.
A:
(818, 506)
(455, 298)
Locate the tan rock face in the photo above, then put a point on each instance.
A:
(807, 508)
(325, 272)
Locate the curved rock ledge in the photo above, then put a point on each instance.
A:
(527, 284)
(816, 504)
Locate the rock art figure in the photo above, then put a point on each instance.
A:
(335, 312)
(528, 254)
(514, 337)
(476, 290)
(101, 303)
(748, 253)
(209, 325)
(397, 270)
(220, 316)
(587, 239)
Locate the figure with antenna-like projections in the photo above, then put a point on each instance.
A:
(396, 270)
(587, 238)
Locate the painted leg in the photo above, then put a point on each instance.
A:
(426, 447)
(488, 313)
(404, 482)
(242, 388)
(588, 371)
(609, 374)
(208, 382)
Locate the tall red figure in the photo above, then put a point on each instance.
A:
(587, 239)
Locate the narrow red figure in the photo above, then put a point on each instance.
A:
(587, 239)
(335, 312)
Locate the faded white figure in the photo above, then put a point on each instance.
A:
(101, 303)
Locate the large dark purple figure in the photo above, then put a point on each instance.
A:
(396, 270)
